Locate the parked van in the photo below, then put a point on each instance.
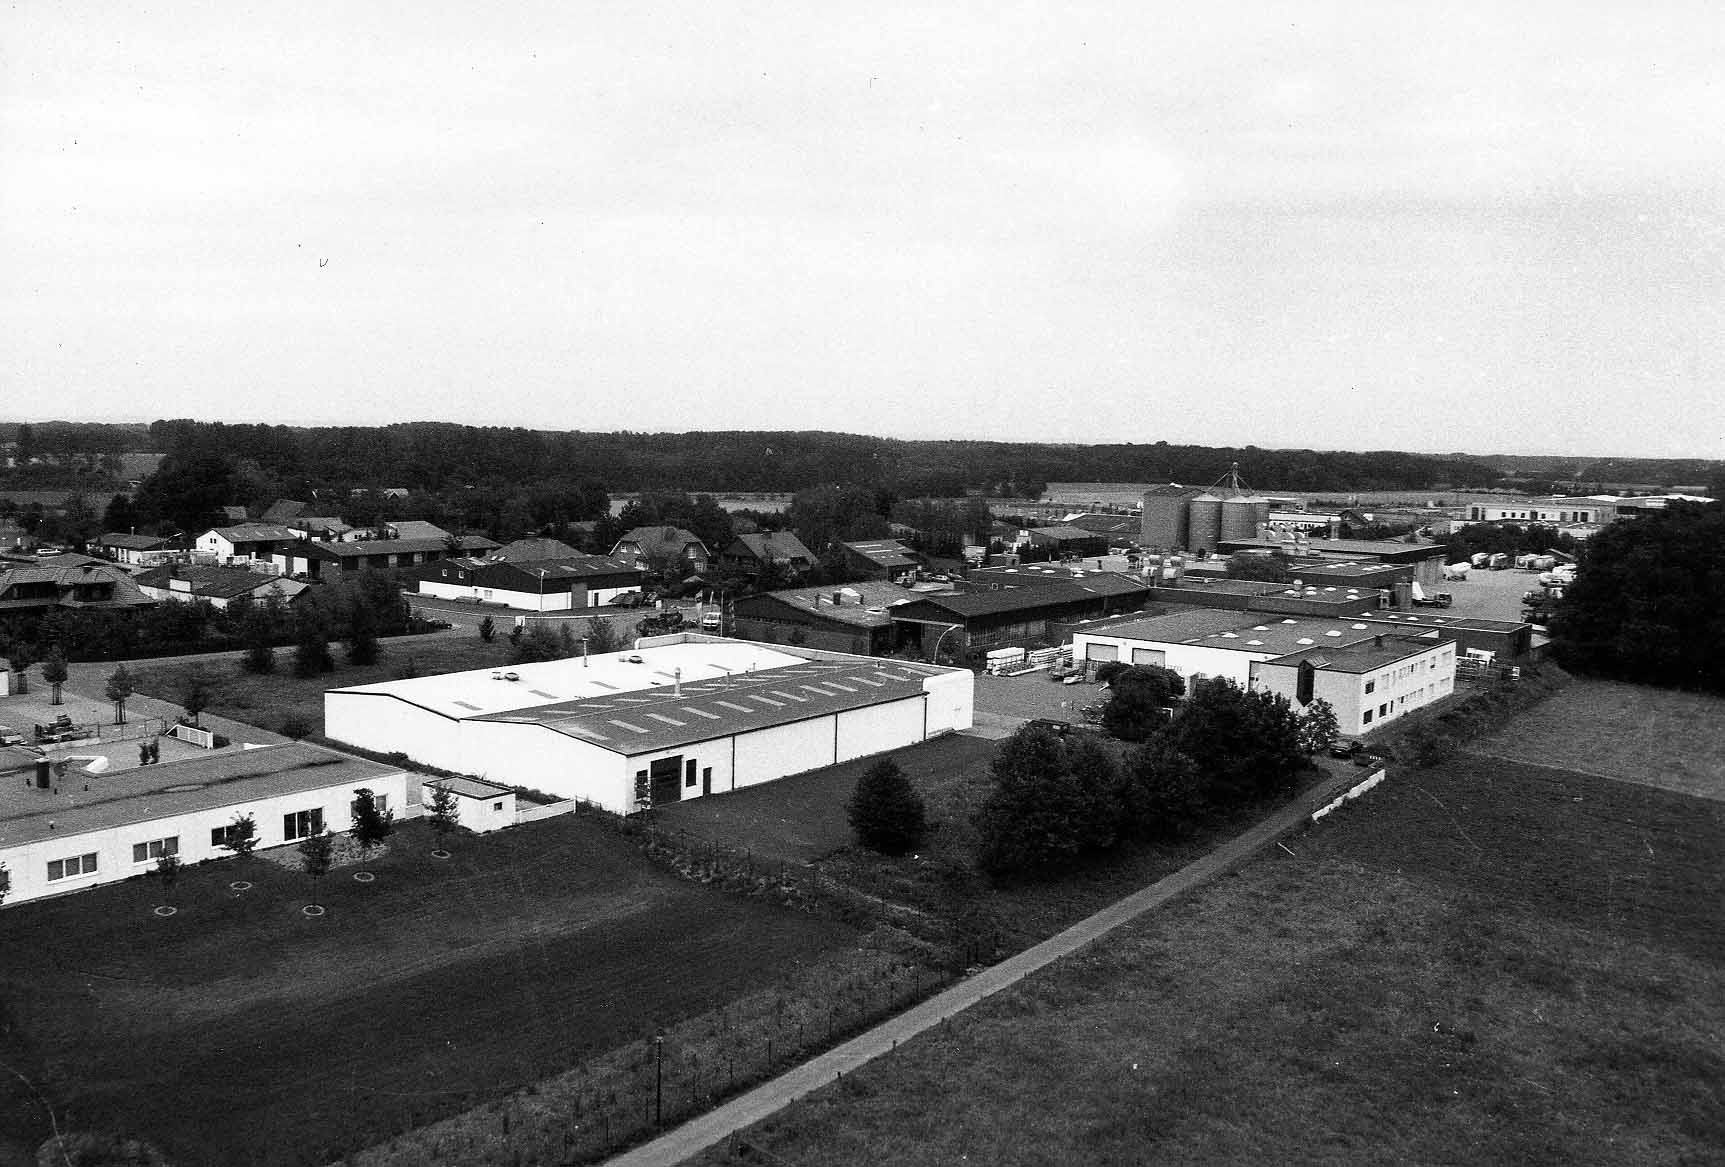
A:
(712, 622)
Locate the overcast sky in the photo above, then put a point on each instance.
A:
(1409, 225)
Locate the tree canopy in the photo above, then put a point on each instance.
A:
(1646, 604)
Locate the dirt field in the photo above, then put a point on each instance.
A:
(238, 1031)
(1482, 963)
(1656, 737)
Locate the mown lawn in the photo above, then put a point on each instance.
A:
(1482, 963)
(271, 699)
(1661, 737)
(238, 1031)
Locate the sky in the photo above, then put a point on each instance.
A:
(1413, 225)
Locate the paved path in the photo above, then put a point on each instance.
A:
(744, 1111)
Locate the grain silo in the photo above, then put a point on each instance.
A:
(1164, 520)
(1240, 517)
(1204, 522)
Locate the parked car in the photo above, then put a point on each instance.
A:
(1347, 748)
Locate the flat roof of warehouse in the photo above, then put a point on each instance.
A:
(477, 692)
(225, 777)
(642, 722)
(1429, 620)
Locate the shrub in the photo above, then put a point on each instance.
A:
(886, 813)
(295, 727)
(1162, 792)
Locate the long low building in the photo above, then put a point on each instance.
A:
(550, 585)
(677, 720)
(80, 830)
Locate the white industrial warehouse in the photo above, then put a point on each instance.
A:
(657, 724)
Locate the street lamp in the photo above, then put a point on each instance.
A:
(947, 631)
(541, 572)
(658, 1079)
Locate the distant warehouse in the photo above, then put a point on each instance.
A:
(679, 720)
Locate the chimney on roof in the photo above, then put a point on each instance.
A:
(838, 598)
(677, 682)
(1378, 640)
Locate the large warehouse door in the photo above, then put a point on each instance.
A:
(1149, 656)
(1095, 651)
(666, 778)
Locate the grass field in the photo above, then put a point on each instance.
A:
(1481, 963)
(238, 1031)
(1663, 738)
(271, 699)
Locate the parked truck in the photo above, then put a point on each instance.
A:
(1435, 600)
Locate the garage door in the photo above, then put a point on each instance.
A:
(666, 776)
(1095, 651)
(1149, 656)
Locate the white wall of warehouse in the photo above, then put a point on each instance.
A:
(1186, 659)
(381, 722)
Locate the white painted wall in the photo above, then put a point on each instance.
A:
(875, 728)
(785, 749)
(379, 721)
(524, 754)
(479, 815)
(951, 701)
(1396, 690)
(27, 863)
(1185, 659)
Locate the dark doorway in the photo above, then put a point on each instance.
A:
(666, 779)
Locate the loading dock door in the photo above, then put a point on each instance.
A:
(666, 779)
(1150, 656)
(1095, 651)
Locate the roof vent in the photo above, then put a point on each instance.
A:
(1260, 628)
(1305, 640)
(1290, 621)
(1254, 642)
(1332, 632)
(1230, 636)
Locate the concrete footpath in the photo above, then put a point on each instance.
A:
(768, 1098)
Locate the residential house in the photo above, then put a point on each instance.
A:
(246, 541)
(218, 586)
(322, 528)
(38, 588)
(648, 547)
(750, 553)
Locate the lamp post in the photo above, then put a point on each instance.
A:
(541, 572)
(658, 1079)
(947, 631)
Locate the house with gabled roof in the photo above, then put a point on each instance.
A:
(139, 550)
(40, 587)
(646, 546)
(881, 559)
(750, 553)
(243, 541)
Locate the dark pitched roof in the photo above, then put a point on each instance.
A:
(364, 547)
(532, 550)
(212, 583)
(885, 552)
(778, 545)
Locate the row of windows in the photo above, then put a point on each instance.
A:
(299, 825)
(76, 865)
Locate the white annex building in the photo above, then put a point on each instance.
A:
(683, 719)
(69, 832)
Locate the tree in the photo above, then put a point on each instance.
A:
(370, 825)
(295, 727)
(487, 629)
(444, 811)
(1245, 743)
(168, 871)
(602, 636)
(1036, 820)
(1319, 729)
(120, 689)
(54, 671)
(195, 697)
(311, 656)
(315, 854)
(1139, 696)
(1645, 604)
(1162, 792)
(362, 646)
(885, 811)
(1248, 565)
(1097, 779)
(120, 516)
(539, 644)
(240, 836)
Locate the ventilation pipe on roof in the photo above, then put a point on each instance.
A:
(677, 682)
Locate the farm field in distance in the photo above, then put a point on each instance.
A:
(1480, 963)
(239, 1031)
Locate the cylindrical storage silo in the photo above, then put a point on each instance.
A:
(1260, 512)
(1204, 521)
(1163, 523)
(1403, 594)
(1239, 518)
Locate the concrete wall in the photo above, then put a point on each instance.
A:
(27, 863)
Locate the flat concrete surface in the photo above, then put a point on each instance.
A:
(747, 1109)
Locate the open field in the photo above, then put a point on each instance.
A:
(1658, 737)
(271, 699)
(1482, 963)
(238, 1031)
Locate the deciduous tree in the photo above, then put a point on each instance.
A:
(444, 812)
(315, 853)
(54, 671)
(119, 690)
(371, 826)
(1139, 697)
(1319, 729)
(241, 836)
